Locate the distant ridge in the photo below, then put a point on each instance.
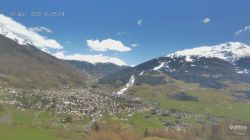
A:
(230, 51)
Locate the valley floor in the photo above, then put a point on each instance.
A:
(37, 115)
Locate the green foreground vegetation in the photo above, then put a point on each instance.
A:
(239, 111)
(31, 125)
(26, 133)
(26, 124)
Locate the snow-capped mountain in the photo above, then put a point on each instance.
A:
(231, 51)
(21, 41)
(210, 66)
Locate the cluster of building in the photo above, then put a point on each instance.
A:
(78, 103)
(75, 102)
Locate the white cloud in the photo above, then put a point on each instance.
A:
(40, 29)
(134, 45)
(245, 29)
(107, 44)
(16, 30)
(140, 22)
(206, 20)
(91, 58)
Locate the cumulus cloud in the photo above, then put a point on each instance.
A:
(206, 20)
(245, 29)
(140, 22)
(17, 30)
(107, 44)
(40, 29)
(90, 58)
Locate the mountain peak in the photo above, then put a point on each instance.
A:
(230, 51)
(5, 32)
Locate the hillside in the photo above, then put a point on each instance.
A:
(97, 70)
(27, 67)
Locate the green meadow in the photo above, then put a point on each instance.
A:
(238, 111)
(26, 133)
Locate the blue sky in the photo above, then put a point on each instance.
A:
(166, 26)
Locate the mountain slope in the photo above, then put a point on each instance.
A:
(212, 67)
(99, 69)
(28, 67)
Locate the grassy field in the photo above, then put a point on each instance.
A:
(216, 102)
(23, 117)
(239, 111)
(141, 124)
(30, 125)
(17, 125)
(26, 133)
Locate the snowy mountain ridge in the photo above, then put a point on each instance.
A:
(21, 41)
(231, 51)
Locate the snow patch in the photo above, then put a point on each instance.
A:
(141, 73)
(128, 85)
(245, 71)
(12, 36)
(160, 66)
(188, 59)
